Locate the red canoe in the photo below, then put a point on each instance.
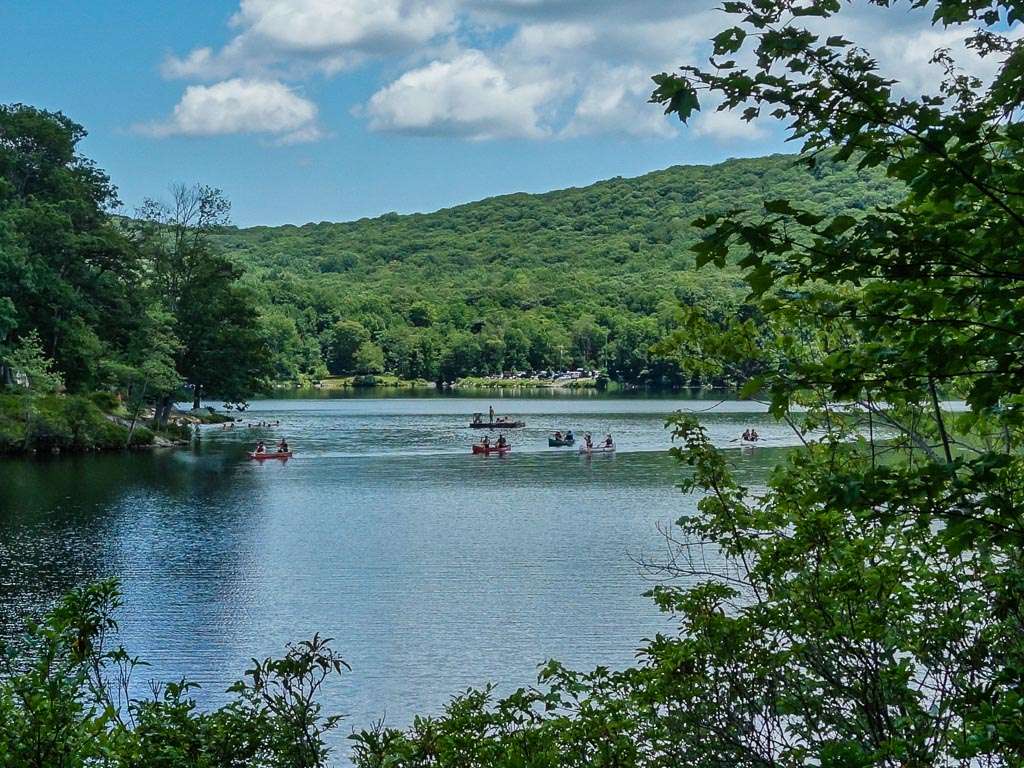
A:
(477, 448)
(271, 455)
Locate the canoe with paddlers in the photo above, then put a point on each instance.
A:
(501, 450)
(561, 440)
(271, 455)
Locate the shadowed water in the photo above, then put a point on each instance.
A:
(433, 569)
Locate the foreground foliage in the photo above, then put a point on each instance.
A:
(66, 699)
(865, 607)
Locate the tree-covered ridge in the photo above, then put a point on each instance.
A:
(593, 275)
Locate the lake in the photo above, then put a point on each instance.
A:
(432, 569)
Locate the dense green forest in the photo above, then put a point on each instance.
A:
(592, 277)
(579, 277)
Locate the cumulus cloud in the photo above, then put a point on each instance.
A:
(726, 127)
(481, 69)
(329, 25)
(908, 57)
(468, 96)
(301, 36)
(241, 106)
(616, 102)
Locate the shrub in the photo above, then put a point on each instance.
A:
(64, 700)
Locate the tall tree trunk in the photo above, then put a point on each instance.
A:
(163, 411)
(135, 415)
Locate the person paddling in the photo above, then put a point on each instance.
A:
(260, 448)
(282, 447)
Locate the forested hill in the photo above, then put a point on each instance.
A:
(593, 274)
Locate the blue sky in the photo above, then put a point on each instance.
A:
(311, 110)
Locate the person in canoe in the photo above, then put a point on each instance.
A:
(558, 435)
(569, 437)
(608, 442)
(486, 442)
(588, 440)
(502, 442)
(282, 447)
(260, 448)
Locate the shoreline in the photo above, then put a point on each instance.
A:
(34, 425)
(468, 382)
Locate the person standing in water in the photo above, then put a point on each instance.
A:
(490, 412)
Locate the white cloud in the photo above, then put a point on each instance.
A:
(303, 36)
(483, 69)
(726, 127)
(907, 57)
(241, 106)
(616, 102)
(468, 96)
(330, 25)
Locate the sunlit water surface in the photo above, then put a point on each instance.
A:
(432, 569)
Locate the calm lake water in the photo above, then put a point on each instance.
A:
(433, 569)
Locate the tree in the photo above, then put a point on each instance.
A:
(369, 359)
(28, 359)
(346, 337)
(223, 349)
(421, 314)
(589, 339)
(67, 272)
(461, 357)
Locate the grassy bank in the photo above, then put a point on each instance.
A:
(371, 381)
(484, 382)
(47, 423)
(389, 381)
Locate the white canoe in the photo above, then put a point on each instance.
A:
(597, 449)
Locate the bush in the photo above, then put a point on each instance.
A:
(106, 401)
(142, 436)
(64, 701)
(31, 422)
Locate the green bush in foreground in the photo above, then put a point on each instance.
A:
(65, 701)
